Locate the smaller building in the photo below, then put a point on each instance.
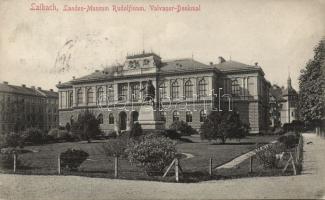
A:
(22, 107)
(283, 104)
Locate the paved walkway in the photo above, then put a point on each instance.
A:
(236, 161)
(311, 184)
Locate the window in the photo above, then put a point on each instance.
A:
(188, 89)
(203, 115)
(175, 116)
(202, 88)
(123, 90)
(111, 118)
(135, 88)
(63, 100)
(79, 96)
(100, 118)
(188, 116)
(175, 90)
(235, 90)
(163, 115)
(100, 95)
(90, 95)
(70, 99)
(110, 93)
(162, 91)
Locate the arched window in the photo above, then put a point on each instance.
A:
(188, 89)
(111, 118)
(235, 90)
(188, 116)
(203, 115)
(70, 99)
(175, 116)
(202, 88)
(175, 90)
(110, 93)
(162, 91)
(90, 95)
(100, 118)
(79, 96)
(100, 95)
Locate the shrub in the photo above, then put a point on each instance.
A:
(279, 131)
(136, 130)
(290, 139)
(172, 134)
(53, 133)
(223, 125)
(115, 147)
(86, 127)
(182, 128)
(267, 156)
(153, 153)
(11, 139)
(34, 136)
(73, 158)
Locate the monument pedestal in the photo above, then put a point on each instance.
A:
(149, 119)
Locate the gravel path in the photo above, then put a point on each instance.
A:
(233, 163)
(311, 184)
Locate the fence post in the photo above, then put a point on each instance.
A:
(15, 162)
(210, 166)
(251, 164)
(116, 167)
(59, 164)
(176, 170)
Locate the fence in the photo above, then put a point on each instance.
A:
(180, 169)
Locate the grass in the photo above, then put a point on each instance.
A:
(43, 159)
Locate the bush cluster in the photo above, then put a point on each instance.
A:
(73, 158)
(153, 153)
(290, 140)
(182, 128)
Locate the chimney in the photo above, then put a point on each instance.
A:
(221, 59)
(39, 88)
(211, 63)
(23, 85)
(59, 82)
(51, 90)
(96, 70)
(5, 82)
(256, 64)
(73, 77)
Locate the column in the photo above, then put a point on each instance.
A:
(84, 89)
(115, 87)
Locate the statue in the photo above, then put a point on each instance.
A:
(149, 92)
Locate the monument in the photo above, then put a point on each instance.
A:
(149, 117)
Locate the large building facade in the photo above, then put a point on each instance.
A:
(22, 107)
(185, 89)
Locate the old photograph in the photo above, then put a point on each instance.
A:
(162, 99)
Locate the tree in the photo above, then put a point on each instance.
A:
(136, 130)
(311, 86)
(86, 126)
(182, 128)
(223, 125)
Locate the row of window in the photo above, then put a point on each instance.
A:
(176, 116)
(188, 89)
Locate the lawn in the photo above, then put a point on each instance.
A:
(43, 159)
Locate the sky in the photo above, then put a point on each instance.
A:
(41, 48)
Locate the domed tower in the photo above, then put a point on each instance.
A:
(289, 108)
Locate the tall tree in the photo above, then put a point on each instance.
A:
(311, 85)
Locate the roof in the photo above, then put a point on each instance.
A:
(230, 65)
(23, 90)
(185, 64)
(141, 55)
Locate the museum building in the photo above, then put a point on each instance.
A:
(185, 89)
